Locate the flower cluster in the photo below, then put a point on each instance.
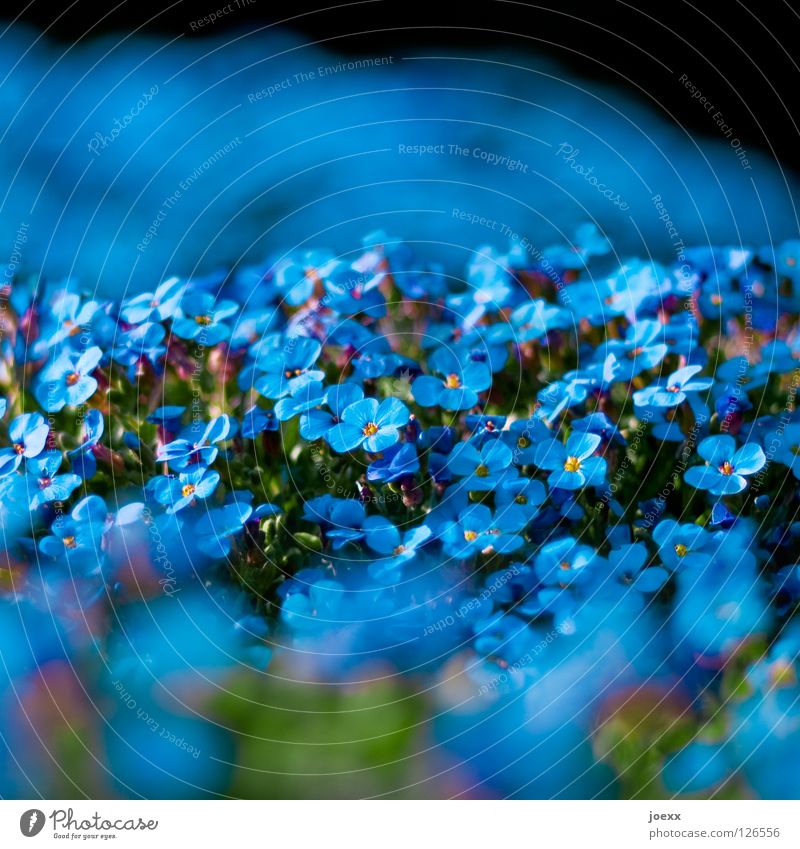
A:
(384, 462)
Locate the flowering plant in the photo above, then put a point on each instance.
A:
(507, 487)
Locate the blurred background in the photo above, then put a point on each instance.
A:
(143, 141)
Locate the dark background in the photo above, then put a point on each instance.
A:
(740, 55)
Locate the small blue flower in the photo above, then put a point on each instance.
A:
(535, 319)
(478, 530)
(682, 546)
(141, 344)
(28, 434)
(641, 349)
(341, 519)
(383, 537)
(182, 491)
(68, 380)
(167, 417)
(627, 565)
(291, 366)
(482, 468)
(215, 528)
(674, 390)
(369, 424)
(459, 386)
(198, 447)
(41, 485)
(525, 493)
(303, 397)
(82, 458)
(397, 462)
(784, 446)
(317, 424)
(257, 420)
(351, 291)
(154, 306)
(522, 438)
(563, 561)
(572, 465)
(202, 319)
(726, 466)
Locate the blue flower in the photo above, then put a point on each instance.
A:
(41, 485)
(303, 397)
(182, 491)
(284, 369)
(189, 448)
(257, 420)
(535, 319)
(78, 538)
(214, 530)
(459, 385)
(482, 425)
(627, 565)
(351, 291)
(784, 447)
(478, 530)
(167, 417)
(682, 546)
(522, 437)
(525, 493)
(558, 396)
(563, 561)
(82, 458)
(317, 424)
(674, 390)
(369, 424)
(726, 466)
(202, 319)
(68, 380)
(141, 344)
(383, 537)
(294, 280)
(572, 465)
(482, 468)
(154, 306)
(397, 462)
(639, 351)
(28, 434)
(341, 519)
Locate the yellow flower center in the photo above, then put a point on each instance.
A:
(399, 550)
(370, 429)
(674, 388)
(572, 464)
(19, 448)
(726, 468)
(523, 442)
(681, 550)
(69, 542)
(482, 471)
(203, 319)
(521, 499)
(188, 489)
(469, 536)
(452, 381)
(72, 378)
